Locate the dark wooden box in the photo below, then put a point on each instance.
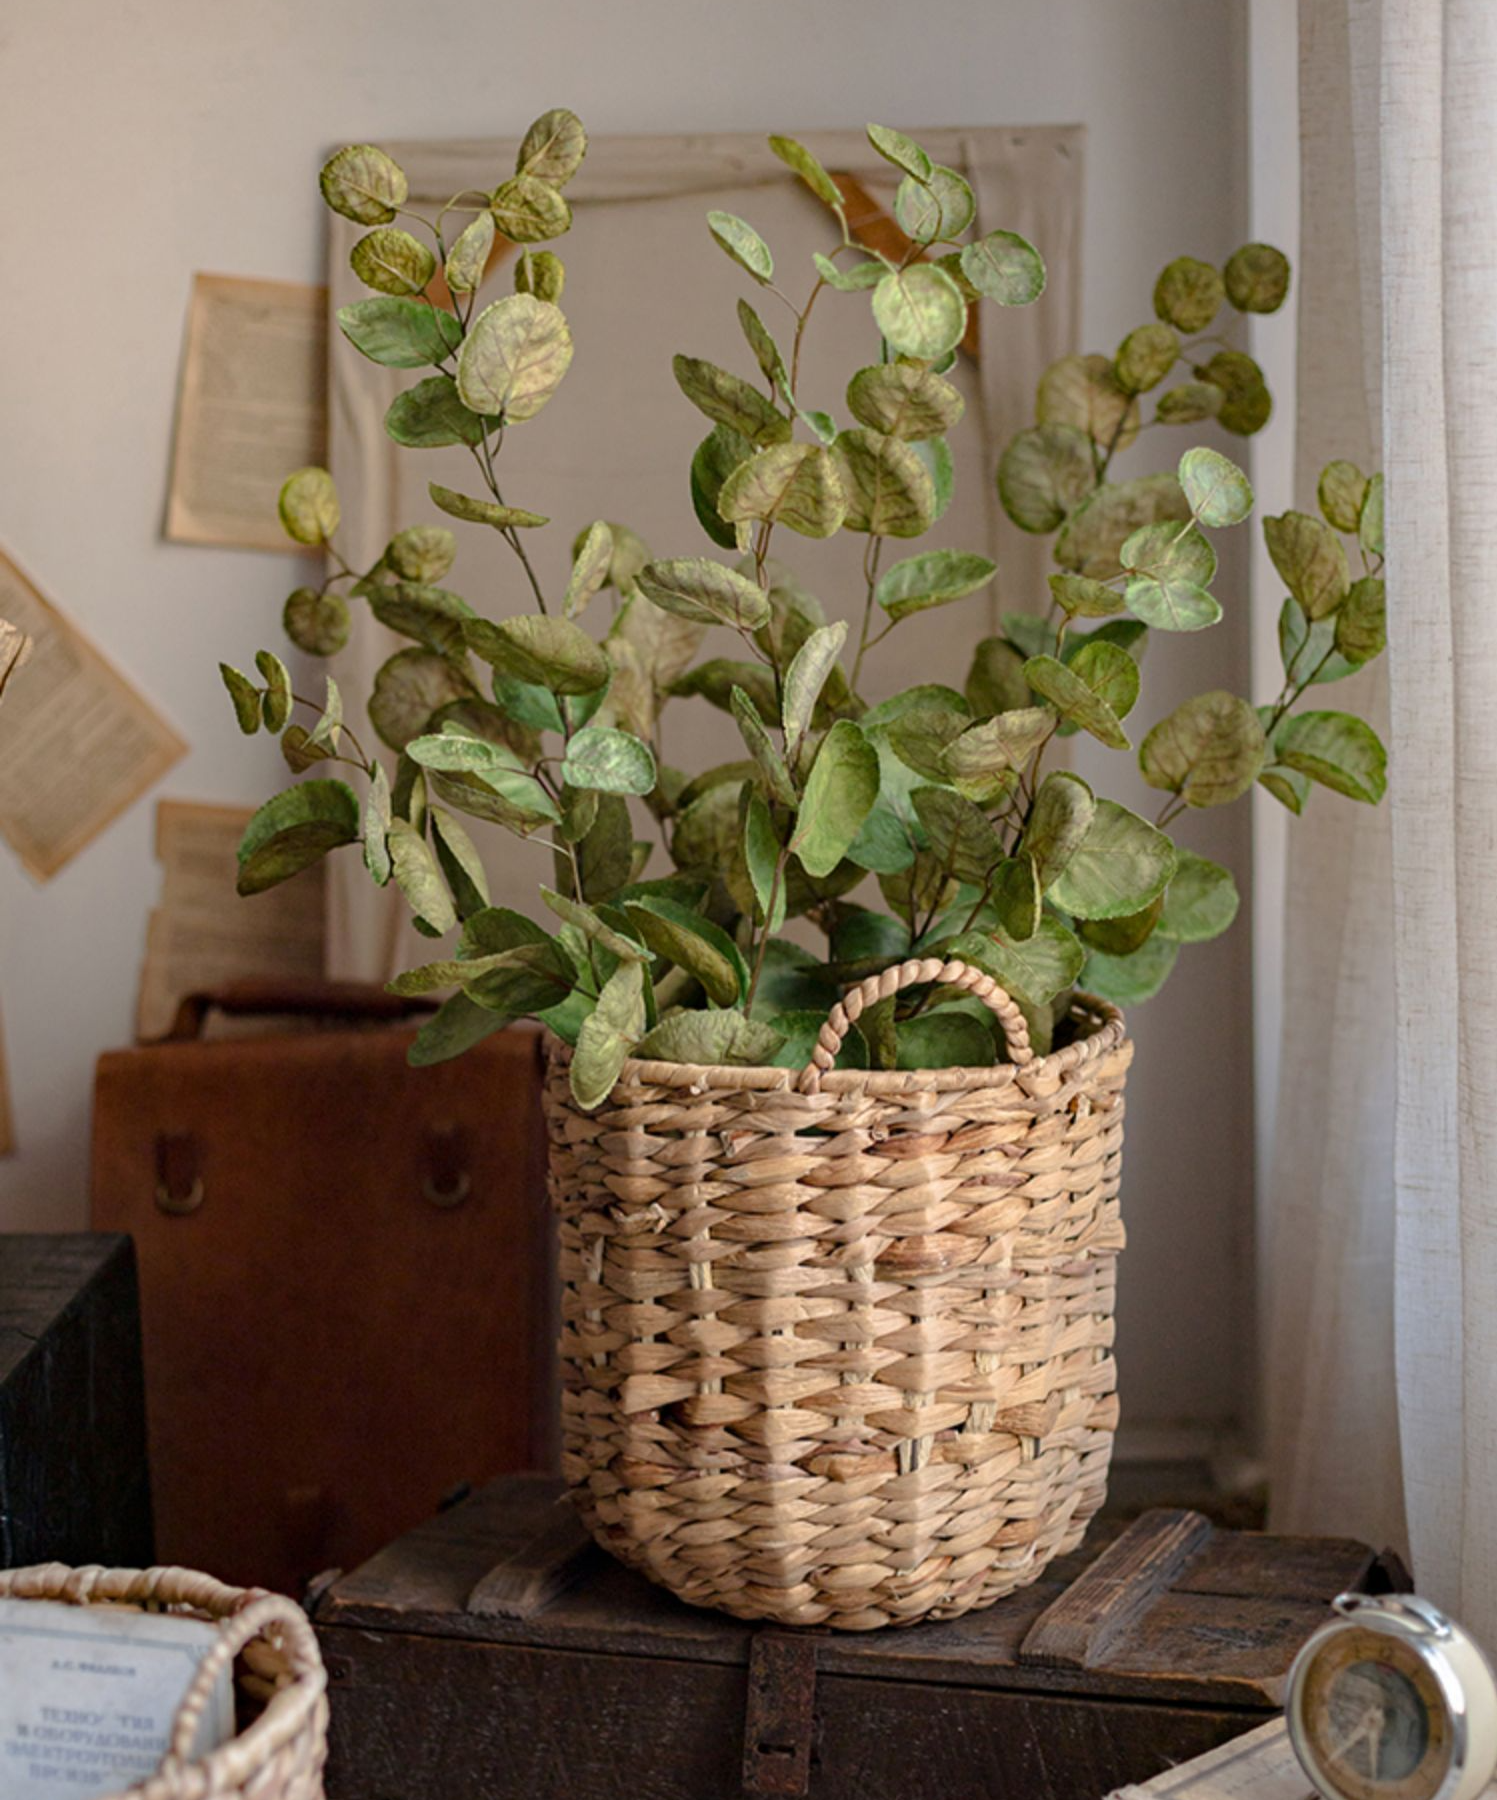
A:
(73, 1479)
(492, 1653)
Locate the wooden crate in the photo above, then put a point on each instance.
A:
(73, 1478)
(495, 1653)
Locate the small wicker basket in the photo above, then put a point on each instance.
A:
(836, 1347)
(280, 1755)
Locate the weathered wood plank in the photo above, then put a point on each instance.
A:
(548, 1550)
(429, 1720)
(1103, 1604)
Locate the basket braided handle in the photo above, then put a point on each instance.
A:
(255, 1620)
(914, 973)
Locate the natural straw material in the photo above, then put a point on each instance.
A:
(281, 1754)
(837, 1346)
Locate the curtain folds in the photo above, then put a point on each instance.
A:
(1381, 1261)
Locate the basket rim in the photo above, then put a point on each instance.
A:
(1107, 1031)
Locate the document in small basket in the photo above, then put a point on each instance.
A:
(88, 1696)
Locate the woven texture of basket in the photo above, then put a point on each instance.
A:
(836, 1346)
(280, 1755)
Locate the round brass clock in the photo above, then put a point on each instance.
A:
(1391, 1701)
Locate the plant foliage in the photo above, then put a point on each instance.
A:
(925, 824)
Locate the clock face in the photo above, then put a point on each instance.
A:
(1374, 1720)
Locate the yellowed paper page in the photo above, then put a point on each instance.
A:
(252, 407)
(203, 934)
(78, 743)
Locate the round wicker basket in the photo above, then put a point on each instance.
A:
(836, 1347)
(280, 1755)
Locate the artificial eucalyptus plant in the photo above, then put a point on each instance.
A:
(936, 802)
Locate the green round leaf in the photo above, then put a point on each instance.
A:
(888, 489)
(1084, 391)
(729, 400)
(810, 669)
(943, 1040)
(1035, 971)
(934, 578)
(553, 148)
(1096, 531)
(1121, 937)
(724, 1039)
(851, 280)
(1370, 520)
(1309, 651)
(309, 506)
(961, 836)
(695, 587)
(1146, 356)
(715, 459)
(1341, 490)
(797, 157)
(592, 558)
(904, 401)
(766, 351)
(1257, 278)
(920, 311)
(1044, 474)
(541, 649)
(1189, 403)
(1247, 404)
(608, 1036)
(693, 943)
(1361, 621)
(614, 762)
(468, 260)
(246, 698)
(421, 552)
(363, 184)
(542, 274)
(900, 150)
(399, 332)
(514, 357)
(430, 416)
(740, 241)
(1336, 749)
(392, 261)
(982, 761)
(1005, 267)
(792, 484)
(277, 679)
(938, 208)
(528, 210)
(1169, 553)
(1117, 869)
(483, 512)
(1084, 599)
(1188, 294)
(1218, 491)
(1209, 750)
(294, 830)
(840, 793)
(1200, 902)
(1073, 699)
(317, 623)
(1172, 604)
(1058, 824)
(935, 456)
(1110, 672)
(409, 688)
(1311, 560)
(1130, 980)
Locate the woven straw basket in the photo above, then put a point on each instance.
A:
(281, 1754)
(836, 1346)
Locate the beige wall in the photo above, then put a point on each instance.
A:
(144, 140)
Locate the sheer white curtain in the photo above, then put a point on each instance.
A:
(1382, 1236)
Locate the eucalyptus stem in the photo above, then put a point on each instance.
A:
(871, 553)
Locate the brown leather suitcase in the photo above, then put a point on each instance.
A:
(345, 1272)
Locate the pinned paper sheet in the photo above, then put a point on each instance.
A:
(202, 934)
(252, 407)
(78, 743)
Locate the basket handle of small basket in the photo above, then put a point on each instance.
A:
(238, 1630)
(914, 973)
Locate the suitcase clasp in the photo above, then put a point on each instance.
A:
(780, 1717)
